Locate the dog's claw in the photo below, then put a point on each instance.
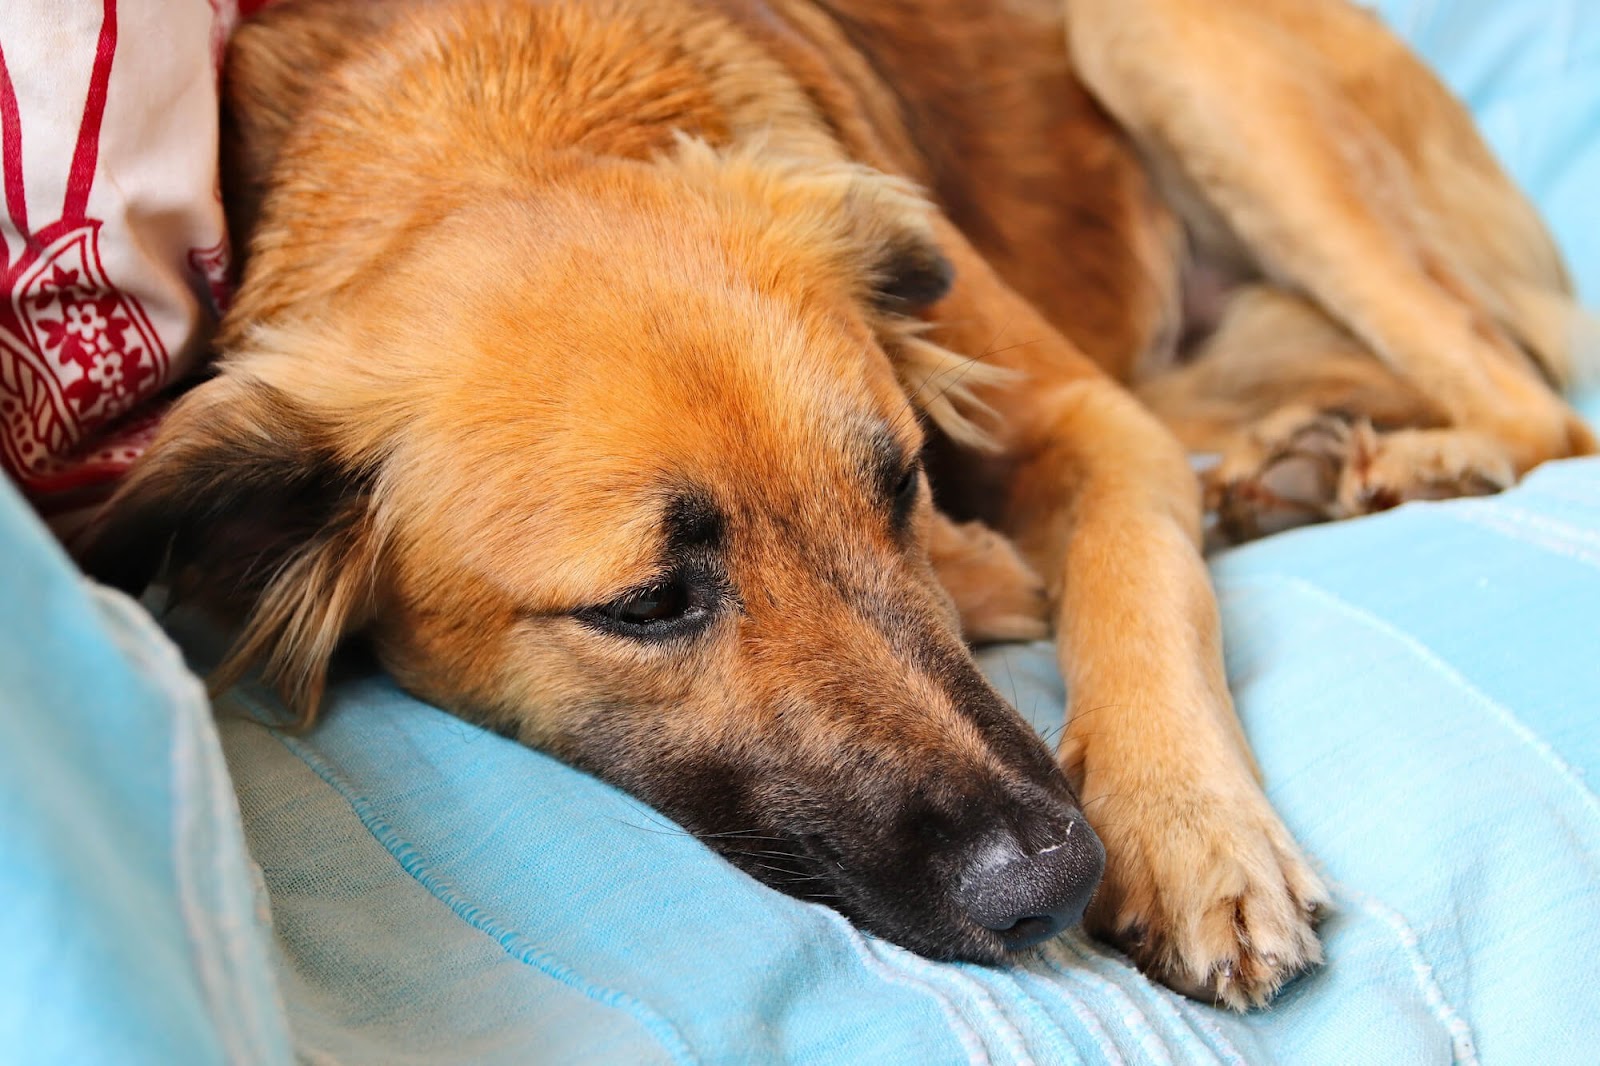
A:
(1226, 913)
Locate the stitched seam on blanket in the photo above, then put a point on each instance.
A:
(1086, 1018)
(971, 1043)
(1462, 1048)
(994, 1015)
(1527, 527)
(988, 1011)
(513, 943)
(1132, 1018)
(1027, 1004)
(1201, 1035)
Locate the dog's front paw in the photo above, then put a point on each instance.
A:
(1208, 894)
(998, 596)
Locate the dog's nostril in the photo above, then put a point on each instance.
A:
(1030, 930)
(1029, 898)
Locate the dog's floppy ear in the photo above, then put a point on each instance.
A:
(890, 224)
(872, 225)
(910, 274)
(242, 504)
(877, 230)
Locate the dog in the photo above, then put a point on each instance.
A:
(681, 386)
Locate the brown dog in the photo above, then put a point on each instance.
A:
(578, 363)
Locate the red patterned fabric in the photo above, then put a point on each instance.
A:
(113, 251)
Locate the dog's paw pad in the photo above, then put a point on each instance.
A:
(1285, 474)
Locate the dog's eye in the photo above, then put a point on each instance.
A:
(661, 610)
(905, 493)
(906, 487)
(660, 604)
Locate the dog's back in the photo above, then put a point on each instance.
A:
(976, 102)
(980, 103)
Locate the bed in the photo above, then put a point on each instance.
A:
(186, 883)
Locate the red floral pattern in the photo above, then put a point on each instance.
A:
(80, 359)
(212, 264)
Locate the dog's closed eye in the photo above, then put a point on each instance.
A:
(680, 605)
(897, 477)
(907, 488)
(687, 598)
(652, 613)
(652, 606)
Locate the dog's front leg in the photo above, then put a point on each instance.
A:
(1204, 887)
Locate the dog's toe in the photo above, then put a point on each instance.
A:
(1220, 907)
(1406, 465)
(1252, 944)
(1299, 467)
(1284, 474)
(998, 596)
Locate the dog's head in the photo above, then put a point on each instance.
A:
(624, 466)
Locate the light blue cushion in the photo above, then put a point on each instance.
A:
(1422, 689)
(128, 916)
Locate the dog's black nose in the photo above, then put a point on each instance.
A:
(1028, 898)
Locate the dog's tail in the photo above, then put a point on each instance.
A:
(1561, 335)
(1585, 350)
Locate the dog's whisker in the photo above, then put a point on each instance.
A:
(770, 854)
(793, 876)
(1100, 799)
(648, 829)
(662, 824)
(1074, 715)
(740, 834)
(667, 828)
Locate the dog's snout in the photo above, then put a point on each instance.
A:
(1029, 897)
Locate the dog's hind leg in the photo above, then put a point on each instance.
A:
(1306, 425)
(1204, 887)
(1331, 184)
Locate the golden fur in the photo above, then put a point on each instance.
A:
(540, 295)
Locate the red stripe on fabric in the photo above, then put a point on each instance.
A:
(11, 155)
(80, 179)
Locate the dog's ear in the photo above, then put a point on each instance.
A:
(874, 230)
(875, 227)
(909, 273)
(242, 504)
(889, 226)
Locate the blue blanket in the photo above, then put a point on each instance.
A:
(1422, 688)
